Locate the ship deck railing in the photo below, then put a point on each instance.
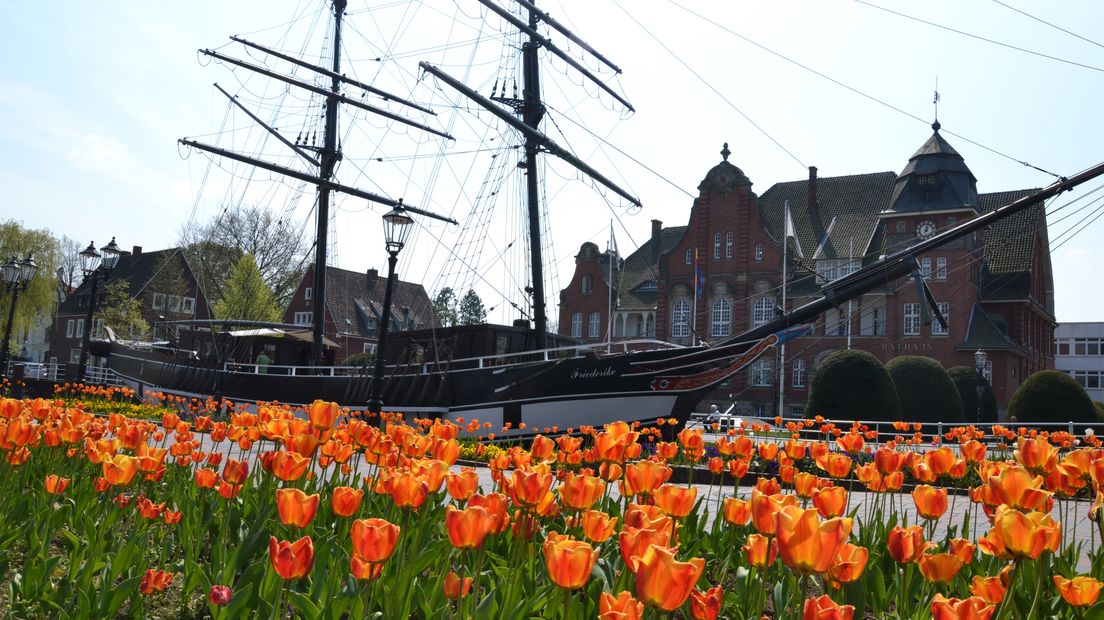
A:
(467, 363)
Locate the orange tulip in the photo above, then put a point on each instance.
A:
(374, 539)
(644, 477)
(569, 561)
(939, 567)
(1080, 591)
(408, 490)
(824, 608)
(805, 484)
(1037, 454)
(768, 486)
(581, 492)
(764, 508)
(836, 465)
(206, 478)
(228, 491)
(852, 442)
(1018, 535)
(119, 470)
(930, 502)
(830, 502)
(706, 605)
(463, 485)
(235, 471)
(1018, 489)
(973, 608)
(56, 485)
(888, 460)
(962, 548)
(906, 544)
(662, 581)
(973, 451)
(296, 508)
(807, 544)
(289, 466)
(528, 487)
(469, 527)
(346, 501)
(940, 460)
(497, 508)
(365, 571)
(155, 581)
(676, 501)
(455, 587)
(635, 541)
(761, 551)
(323, 414)
(598, 526)
(291, 560)
(150, 510)
(991, 589)
(736, 511)
(849, 563)
(623, 607)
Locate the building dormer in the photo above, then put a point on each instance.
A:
(936, 179)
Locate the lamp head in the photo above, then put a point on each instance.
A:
(396, 228)
(111, 253)
(90, 259)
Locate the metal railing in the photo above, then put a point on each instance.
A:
(56, 371)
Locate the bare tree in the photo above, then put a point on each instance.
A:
(278, 246)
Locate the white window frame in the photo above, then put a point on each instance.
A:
(798, 379)
(945, 310)
(759, 252)
(78, 332)
(680, 318)
(762, 311)
(303, 318)
(308, 293)
(173, 303)
(925, 268)
(872, 321)
(189, 305)
(368, 347)
(728, 244)
(721, 318)
(594, 325)
(587, 284)
(577, 325)
(70, 327)
(158, 301)
(837, 322)
(826, 270)
(941, 268)
(716, 246)
(911, 314)
(689, 256)
(762, 372)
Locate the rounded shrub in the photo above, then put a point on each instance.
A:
(967, 379)
(1051, 396)
(852, 385)
(358, 359)
(925, 390)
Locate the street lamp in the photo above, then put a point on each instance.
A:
(17, 277)
(94, 264)
(980, 359)
(396, 229)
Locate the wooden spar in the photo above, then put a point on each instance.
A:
(546, 18)
(278, 135)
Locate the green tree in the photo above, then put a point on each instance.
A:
(852, 385)
(472, 311)
(122, 312)
(1051, 396)
(925, 390)
(40, 298)
(246, 297)
(445, 305)
(967, 380)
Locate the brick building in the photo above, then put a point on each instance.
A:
(354, 306)
(995, 287)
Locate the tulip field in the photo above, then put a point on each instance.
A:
(275, 512)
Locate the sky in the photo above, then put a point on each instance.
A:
(93, 97)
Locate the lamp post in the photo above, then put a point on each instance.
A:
(94, 264)
(396, 228)
(980, 359)
(17, 276)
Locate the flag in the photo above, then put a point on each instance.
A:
(699, 277)
(791, 231)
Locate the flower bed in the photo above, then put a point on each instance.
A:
(319, 515)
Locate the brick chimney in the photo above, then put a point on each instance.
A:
(136, 251)
(373, 275)
(812, 188)
(657, 228)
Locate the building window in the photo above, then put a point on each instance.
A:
(945, 310)
(716, 246)
(925, 268)
(595, 326)
(837, 322)
(951, 220)
(827, 270)
(690, 256)
(762, 373)
(721, 324)
(174, 303)
(759, 252)
(797, 412)
(189, 305)
(762, 311)
(680, 318)
(728, 244)
(987, 372)
(1061, 346)
(577, 325)
(588, 284)
(74, 356)
(308, 293)
(941, 268)
(303, 318)
(369, 347)
(799, 373)
(69, 328)
(79, 331)
(912, 319)
(97, 329)
(1087, 346)
(1089, 379)
(872, 320)
(900, 225)
(158, 301)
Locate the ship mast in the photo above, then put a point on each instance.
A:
(532, 110)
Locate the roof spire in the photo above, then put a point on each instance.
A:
(725, 152)
(935, 102)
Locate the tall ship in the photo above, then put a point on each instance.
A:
(517, 376)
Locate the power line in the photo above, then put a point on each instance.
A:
(1043, 21)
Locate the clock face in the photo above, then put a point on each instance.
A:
(925, 229)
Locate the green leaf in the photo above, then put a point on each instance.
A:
(304, 604)
(1096, 612)
(119, 594)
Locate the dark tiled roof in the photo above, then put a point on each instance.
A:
(986, 332)
(641, 267)
(137, 270)
(351, 297)
(952, 186)
(1010, 243)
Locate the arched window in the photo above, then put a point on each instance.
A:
(577, 325)
(728, 245)
(762, 311)
(721, 323)
(595, 326)
(680, 318)
(759, 251)
(588, 283)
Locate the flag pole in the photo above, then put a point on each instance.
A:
(850, 268)
(782, 348)
(694, 314)
(609, 289)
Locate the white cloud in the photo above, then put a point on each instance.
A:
(97, 152)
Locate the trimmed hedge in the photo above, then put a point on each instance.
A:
(925, 390)
(852, 385)
(358, 359)
(966, 379)
(1052, 396)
